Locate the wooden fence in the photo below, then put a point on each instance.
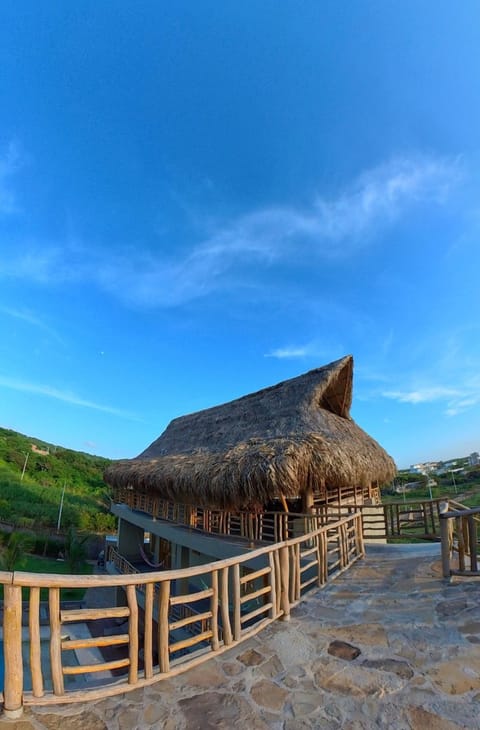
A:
(173, 620)
(253, 526)
(460, 541)
(415, 519)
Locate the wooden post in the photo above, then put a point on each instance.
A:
(389, 532)
(227, 629)
(163, 641)
(12, 639)
(148, 632)
(342, 544)
(250, 534)
(359, 544)
(432, 518)
(445, 546)
(237, 624)
(460, 543)
(273, 587)
(285, 580)
(466, 541)
(319, 560)
(278, 581)
(132, 634)
(292, 564)
(35, 651)
(307, 500)
(214, 610)
(298, 575)
(55, 641)
(276, 527)
(425, 517)
(472, 537)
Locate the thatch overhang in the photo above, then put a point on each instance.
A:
(288, 439)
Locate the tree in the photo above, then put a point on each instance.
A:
(75, 550)
(17, 545)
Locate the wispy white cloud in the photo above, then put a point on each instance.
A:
(422, 395)
(61, 395)
(90, 444)
(321, 349)
(31, 319)
(235, 251)
(285, 353)
(380, 195)
(10, 162)
(455, 399)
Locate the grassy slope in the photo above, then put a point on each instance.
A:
(35, 500)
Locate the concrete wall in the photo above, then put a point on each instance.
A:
(130, 539)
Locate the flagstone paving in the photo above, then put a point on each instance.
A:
(418, 665)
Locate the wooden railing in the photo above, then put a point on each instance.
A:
(412, 519)
(230, 600)
(253, 526)
(416, 519)
(120, 562)
(353, 494)
(460, 540)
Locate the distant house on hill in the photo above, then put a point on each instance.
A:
(37, 450)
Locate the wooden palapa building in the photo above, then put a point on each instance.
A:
(292, 441)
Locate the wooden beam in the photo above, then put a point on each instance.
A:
(284, 502)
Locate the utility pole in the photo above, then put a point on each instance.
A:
(61, 506)
(24, 465)
(454, 482)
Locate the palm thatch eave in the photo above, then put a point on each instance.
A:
(258, 471)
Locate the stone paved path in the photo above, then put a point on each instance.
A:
(418, 666)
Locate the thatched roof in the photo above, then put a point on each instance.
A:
(281, 440)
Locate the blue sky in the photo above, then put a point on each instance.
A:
(200, 199)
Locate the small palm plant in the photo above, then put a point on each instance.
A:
(15, 548)
(75, 550)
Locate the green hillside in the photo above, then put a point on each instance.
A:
(34, 500)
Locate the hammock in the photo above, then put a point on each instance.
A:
(147, 561)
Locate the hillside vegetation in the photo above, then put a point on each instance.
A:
(34, 500)
(461, 485)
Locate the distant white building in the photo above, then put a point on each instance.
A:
(474, 458)
(425, 468)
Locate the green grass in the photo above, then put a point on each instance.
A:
(466, 493)
(35, 564)
(472, 500)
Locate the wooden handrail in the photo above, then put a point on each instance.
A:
(465, 511)
(246, 593)
(271, 526)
